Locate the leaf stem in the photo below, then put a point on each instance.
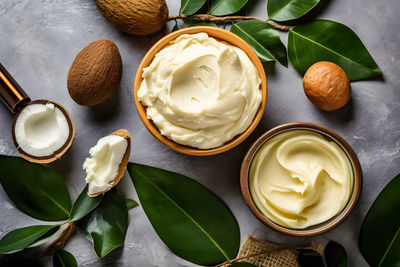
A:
(212, 18)
(61, 240)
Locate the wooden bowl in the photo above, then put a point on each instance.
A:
(221, 35)
(59, 152)
(315, 229)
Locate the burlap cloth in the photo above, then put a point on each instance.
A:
(267, 254)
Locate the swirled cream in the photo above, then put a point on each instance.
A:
(298, 179)
(200, 92)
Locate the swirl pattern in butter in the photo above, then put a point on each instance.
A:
(299, 179)
(201, 92)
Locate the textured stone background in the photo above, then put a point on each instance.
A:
(39, 40)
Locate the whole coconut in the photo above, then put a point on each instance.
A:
(137, 17)
(95, 74)
(327, 86)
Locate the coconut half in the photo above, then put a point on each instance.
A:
(107, 163)
(42, 131)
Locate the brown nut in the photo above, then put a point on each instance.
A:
(95, 74)
(327, 86)
(137, 17)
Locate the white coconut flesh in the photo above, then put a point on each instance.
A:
(103, 165)
(41, 129)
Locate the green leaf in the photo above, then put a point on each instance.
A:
(379, 239)
(325, 40)
(35, 189)
(130, 203)
(83, 205)
(63, 258)
(335, 255)
(225, 7)
(263, 38)
(189, 7)
(21, 238)
(284, 10)
(242, 264)
(107, 224)
(44, 238)
(191, 220)
(191, 23)
(309, 257)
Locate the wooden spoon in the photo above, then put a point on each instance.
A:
(122, 166)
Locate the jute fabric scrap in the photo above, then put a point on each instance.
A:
(267, 254)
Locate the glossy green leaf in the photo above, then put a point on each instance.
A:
(325, 40)
(225, 7)
(192, 23)
(36, 190)
(21, 238)
(380, 231)
(130, 203)
(107, 224)
(44, 238)
(189, 7)
(284, 10)
(83, 205)
(263, 38)
(63, 258)
(309, 257)
(191, 220)
(335, 255)
(242, 264)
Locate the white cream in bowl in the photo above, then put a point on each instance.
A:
(200, 92)
(41, 129)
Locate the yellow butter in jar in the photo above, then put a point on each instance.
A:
(298, 179)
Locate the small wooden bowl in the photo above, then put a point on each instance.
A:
(221, 35)
(316, 229)
(59, 152)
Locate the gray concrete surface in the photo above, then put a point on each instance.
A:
(39, 40)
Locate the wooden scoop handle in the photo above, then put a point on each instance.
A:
(11, 93)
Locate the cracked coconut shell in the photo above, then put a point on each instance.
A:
(95, 74)
(137, 17)
(327, 86)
